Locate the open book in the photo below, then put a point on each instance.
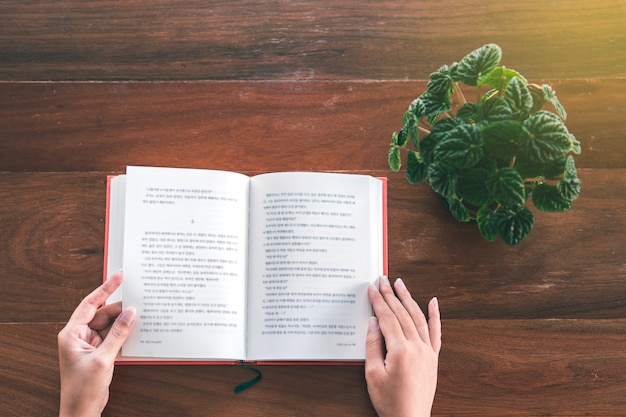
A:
(225, 267)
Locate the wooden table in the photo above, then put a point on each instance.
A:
(253, 86)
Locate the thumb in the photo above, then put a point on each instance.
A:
(374, 348)
(119, 332)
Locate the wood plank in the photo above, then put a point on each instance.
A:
(573, 265)
(52, 228)
(249, 125)
(30, 369)
(487, 368)
(329, 39)
(532, 368)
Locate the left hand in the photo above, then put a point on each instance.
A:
(88, 346)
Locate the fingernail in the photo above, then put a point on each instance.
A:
(372, 323)
(400, 284)
(128, 316)
(384, 281)
(435, 303)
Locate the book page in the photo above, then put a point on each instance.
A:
(185, 251)
(316, 244)
(114, 233)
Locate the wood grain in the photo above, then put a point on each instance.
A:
(297, 39)
(532, 368)
(52, 243)
(573, 265)
(88, 87)
(487, 367)
(252, 126)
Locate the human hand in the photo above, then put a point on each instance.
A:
(88, 346)
(402, 352)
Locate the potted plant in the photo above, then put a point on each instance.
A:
(489, 157)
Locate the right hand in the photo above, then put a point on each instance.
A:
(402, 352)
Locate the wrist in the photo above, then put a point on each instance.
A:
(69, 408)
(76, 412)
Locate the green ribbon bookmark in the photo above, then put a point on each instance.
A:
(253, 381)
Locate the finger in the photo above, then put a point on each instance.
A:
(374, 349)
(434, 324)
(402, 315)
(105, 315)
(118, 333)
(417, 316)
(87, 308)
(389, 325)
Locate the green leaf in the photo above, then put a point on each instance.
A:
(548, 170)
(569, 185)
(435, 104)
(486, 223)
(406, 117)
(402, 137)
(412, 133)
(468, 112)
(417, 108)
(394, 139)
(433, 118)
(442, 178)
(500, 77)
(501, 138)
(408, 132)
(514, 223)
(546, 138)
(494, 109)
(458, 210)
(453, 72)
(439, 131)
(473, 187)
(507, 186)
(569, 190)
(546, 197)
(576, 148)
(550, 96)
(440, 81)
(538, 97)
(426, 147)
(461, 148)
(394, 159)
(478, 64)
(443, 127)
(554, 169)
(519, 98)
(415, 168)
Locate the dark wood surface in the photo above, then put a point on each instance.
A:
(88, 87)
